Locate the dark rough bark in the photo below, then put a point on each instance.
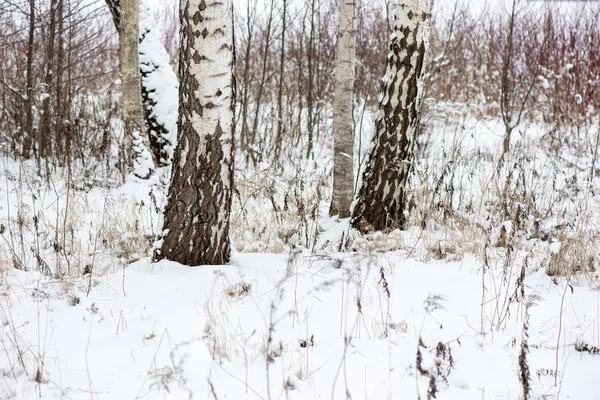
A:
(198, 210)
(114, 6)
(381, 202)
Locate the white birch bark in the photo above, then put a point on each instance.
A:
(382, 197)
(197, 213)
(343, 119)
(136, 143)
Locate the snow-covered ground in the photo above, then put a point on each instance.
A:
(295, 326)
(458, 308)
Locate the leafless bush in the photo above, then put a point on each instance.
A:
(553, 68)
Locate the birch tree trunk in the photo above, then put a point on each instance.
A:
(279, 134)
(158, 83)
(136, 142)
(343, 143)
(381, 200)
(244, 134)
(263, 78)
(198, 210)
(62, 154)
(27, 135)
(310, 53)
(46, 123)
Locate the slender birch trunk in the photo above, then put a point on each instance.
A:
(300, 79)
(279, 134)
(136, 142)
(263, 78)
(309, 100)
(153, 59)
(343, 142)
(46, 123)
(198, 210)
(60, 141)
(27, 135)
(382, 196)
(244, 134)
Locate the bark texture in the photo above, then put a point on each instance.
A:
(343, 141)
(136, 142)
(381, 201)
(158, 83)
(198, 209)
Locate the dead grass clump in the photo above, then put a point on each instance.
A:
(571, 255)
(123, 232)
(459, 236)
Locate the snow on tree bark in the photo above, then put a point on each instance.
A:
(159, 89)
(381, 200)
(343, 143)
(198, 209)
(159, 86)
(136, 143)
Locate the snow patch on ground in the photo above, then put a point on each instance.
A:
(292, 326)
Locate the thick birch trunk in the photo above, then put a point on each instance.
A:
(381, 201)
(343, 142)
(136, 142)
(197, 213)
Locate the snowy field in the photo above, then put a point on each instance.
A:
(460, 306)
(492, 292)
(299, 327)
